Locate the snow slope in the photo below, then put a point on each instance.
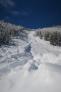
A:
(32, 66)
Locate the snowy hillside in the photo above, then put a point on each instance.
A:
(8, 25)
(51, 34)
(32, 65)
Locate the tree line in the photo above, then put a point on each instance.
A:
(53, 37)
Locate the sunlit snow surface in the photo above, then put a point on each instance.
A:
(32, 66)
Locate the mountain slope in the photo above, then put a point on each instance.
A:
(35, 66)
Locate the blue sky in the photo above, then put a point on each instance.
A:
(31, 13)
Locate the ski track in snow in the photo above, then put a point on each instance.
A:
(33, 66)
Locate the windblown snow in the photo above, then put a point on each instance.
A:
(30, 66)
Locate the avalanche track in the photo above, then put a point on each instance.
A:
(32, 66)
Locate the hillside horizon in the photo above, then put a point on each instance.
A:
(19, 25)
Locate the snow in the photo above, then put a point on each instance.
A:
(33, 66)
